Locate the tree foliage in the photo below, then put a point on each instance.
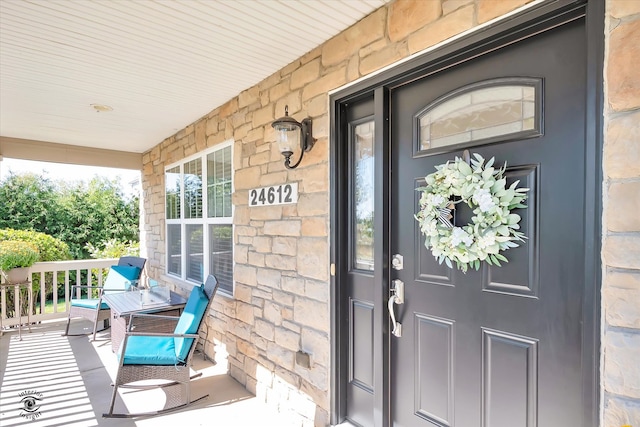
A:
(77, 213)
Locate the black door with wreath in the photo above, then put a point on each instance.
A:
(501, 346)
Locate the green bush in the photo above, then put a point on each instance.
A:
(17, 254)
(113, 249)
(50, 248)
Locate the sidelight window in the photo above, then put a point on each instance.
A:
(362, 167)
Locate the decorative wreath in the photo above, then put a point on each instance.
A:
(493, 228)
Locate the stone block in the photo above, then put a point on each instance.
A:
(287, 339)
(489, 9)
(313, 258)
(313, 178)
(408, 16)
(261, 244)
(449, 26)
(248, 97)
(284, 246)
(314, 227)
(317, 344)
(280, 262)
(379, 59)
(313, 204)
(622, 307)
(260, 159)
(255, 259)
(622, 8)
(622, 82)
(280, 356)
(262, 213)
(621, 373)
(245, 274)
(244, 312)
(269, 278)
(622, 146)
(282, 297)
(305, 74)
(279, 90)
(324, 84)
(282, 228)
(246, 178)
(242, 292)
(274, 178)
(621, 412)
(265, 329)
(263, 116)
(449, 6)
(317, 290)
(623, 202)
(240, 254)
(313, 314)
(623, 279)
(345, 44)
(273, 313)
(622, 251)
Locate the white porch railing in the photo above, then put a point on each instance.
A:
(53, 277)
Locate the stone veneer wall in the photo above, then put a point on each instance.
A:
(621, 216)
(280, 303)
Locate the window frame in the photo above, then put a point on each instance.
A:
(205, 221)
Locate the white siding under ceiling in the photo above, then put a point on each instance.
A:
(160, 64)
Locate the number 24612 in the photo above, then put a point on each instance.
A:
(275, 195)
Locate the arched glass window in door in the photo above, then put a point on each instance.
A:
(481, 113)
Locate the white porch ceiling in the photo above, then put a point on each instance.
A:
(160, 64)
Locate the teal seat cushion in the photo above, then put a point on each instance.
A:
(190, 321)
(120, 278)
(89, 303)
(143, 350)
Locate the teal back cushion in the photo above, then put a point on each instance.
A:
(120, 278)
(189, 321)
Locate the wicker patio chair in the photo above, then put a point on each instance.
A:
(166, 357)
(119, 279)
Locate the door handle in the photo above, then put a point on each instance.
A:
(397, 297)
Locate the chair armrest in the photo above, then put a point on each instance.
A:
(86, 287)
(160, 334)
(149, 316)
(74, 288)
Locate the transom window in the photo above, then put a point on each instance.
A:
(199, 217)
(481, 113)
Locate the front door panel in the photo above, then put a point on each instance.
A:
(498, 347)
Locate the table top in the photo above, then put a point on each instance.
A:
(125, 303)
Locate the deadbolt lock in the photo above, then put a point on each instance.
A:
(397, 262)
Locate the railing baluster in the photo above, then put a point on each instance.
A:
(43, 270)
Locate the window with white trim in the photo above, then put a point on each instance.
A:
(199, 216)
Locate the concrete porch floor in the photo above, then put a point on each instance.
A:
(72, 375)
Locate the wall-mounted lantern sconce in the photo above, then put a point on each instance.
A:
(290, 132)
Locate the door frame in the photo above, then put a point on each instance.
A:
(537, 18)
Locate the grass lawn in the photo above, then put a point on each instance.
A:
(48, 308)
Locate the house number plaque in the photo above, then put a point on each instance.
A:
(282, 194)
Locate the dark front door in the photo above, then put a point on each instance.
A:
(498, 347)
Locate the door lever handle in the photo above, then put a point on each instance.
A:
(397, 326)
(397, 297)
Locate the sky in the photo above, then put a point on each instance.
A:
(64, 172)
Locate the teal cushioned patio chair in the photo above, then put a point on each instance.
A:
(166, 357)
(120, 278)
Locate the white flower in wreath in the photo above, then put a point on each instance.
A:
(458, 235)
(494, 228)
(482, 197)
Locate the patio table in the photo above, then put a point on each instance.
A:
(124, 304)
